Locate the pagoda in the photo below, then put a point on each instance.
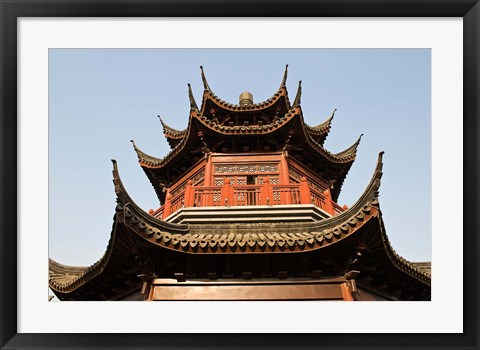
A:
(248, 211)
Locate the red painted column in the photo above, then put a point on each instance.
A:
(207, 181)
(284, 177)
(263, 193)
(227, 193)
(328, 202)
(167, 209)
(268, 192)
(285, 197)
(188, 199)
(304, 191)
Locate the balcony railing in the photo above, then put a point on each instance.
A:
(207, 196)
(286, 194)
(247, 195)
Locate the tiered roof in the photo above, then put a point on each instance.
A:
(271, 125)
(143, 247)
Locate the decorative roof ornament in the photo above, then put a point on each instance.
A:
(296, 102)
(134, 147)
(205, 84)
(145, 159)
(350, 151)
(331, 116)
(193, 104)
(284, 80)
(245, 99)
(169, 130)
(164, 126)
(358, 142)
(326, 124)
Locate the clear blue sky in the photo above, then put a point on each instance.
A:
(99, 99)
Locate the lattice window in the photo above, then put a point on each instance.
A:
(247, 168)
(241, 181)
(275, 181)
(198, 176)
(225, 169)
(178, 189)
(218, 181)
(276, 196)
(296, 177)
(268, 168)
(315, 186)
(294, 174)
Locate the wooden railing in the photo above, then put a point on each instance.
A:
(177, 202)
(207, 196)
(318, 199)
(286, 194)
(247, 195)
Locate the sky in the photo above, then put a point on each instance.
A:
(100, 99)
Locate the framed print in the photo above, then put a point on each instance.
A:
(78, 77)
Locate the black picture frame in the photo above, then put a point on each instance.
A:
(11, 10)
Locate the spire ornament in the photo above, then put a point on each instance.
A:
(204, 80)
(296, 102)
(193, 104)
(284, 80)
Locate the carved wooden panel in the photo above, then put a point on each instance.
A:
(245, 168)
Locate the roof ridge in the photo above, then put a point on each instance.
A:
(284, 79)
(298, 96)
(167, 128)
(204, 80)
(325, 123)
(350, 151)
(193, 104)
(281, 91)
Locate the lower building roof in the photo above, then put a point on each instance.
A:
(360, 228)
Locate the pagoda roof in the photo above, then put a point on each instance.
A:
(359, 226)
(320, 132)
(282, 123)
(172, 135)
(280, 96)
(157, 168)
